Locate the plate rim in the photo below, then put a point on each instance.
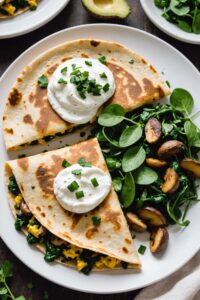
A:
(36, 26)
(165, 29)
(28, 264)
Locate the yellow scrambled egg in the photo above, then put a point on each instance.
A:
(9, 8)
(35, 230)
(81, 264)
(32, 3)
(18, 200)
(107, 262)
(73, 252)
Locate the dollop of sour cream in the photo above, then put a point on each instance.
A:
(83, 192)
(71, 102)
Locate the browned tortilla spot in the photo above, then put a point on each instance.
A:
(19, 79)
(38, 208)
(43, 215)
(27, 119)
(52, 69)
(153, 69)
(150, 89)
(49, 206)
(75, 220)
(4, 118)
(128, 241)
(14, 97)
(21, 187)
(84, 55)
(125, 250)
(126, 86)
(66, 58)
(90, 232)
(23, 163)
(94, 43)
(143, 61)
(86, 150)
(113, 217)
(9, 130)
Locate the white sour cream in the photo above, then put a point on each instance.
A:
(65, 98)
(93, 196)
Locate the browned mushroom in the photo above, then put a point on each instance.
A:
(152, 216)
(170, 148)
(191, 165)
(24, 209)
(57, 242)
(172, 182)
(155, 163)
(153, 131)
(159, 239)
(135, 222)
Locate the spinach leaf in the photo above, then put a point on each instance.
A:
(184, 26)
(128, 190)
(117, 183)
(113, 163)
(133, 159)
(145, 176)
(196, 23)
(112, 115)
(182, 100)
(177, 9)
(193, 134)
(130, 136)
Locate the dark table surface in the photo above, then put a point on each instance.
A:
(10, 49)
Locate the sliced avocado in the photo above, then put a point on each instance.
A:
(108, 8)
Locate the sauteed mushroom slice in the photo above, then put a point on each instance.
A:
(172, 182)
(135, 222)
(191, 165)
(155, 163)
(159, 239)
(25, 209)
(170, 148)
(153, 131)
(152, 216)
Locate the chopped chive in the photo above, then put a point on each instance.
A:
(103, 75)
(64, 70)
(167, 82)
(131, 61)
(94, 182)
(102, 60)
(96, 220)
(65, 163)
(82, 162)
(88, 63)
(43, 81)
(73, 186)
(106, 87)
(62, 81)
(77, 172)
(142, 249)
(79, 194)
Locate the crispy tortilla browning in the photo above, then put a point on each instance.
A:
(28, 111)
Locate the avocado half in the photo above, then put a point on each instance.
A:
(107, 9)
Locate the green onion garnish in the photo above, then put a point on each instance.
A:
(73, 186)
(96, 220)
(65, 163)
(77, 172)
(142, 249)
(82, 162)
(88, 63)
(106, 87)
(64, 70)
(43, 81)
(62, 81)
(94, 182)
(102, 60)
(103, 75)
(79, 194)
(131, 61)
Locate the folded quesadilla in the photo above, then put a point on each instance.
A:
(37, 108)
(12, 8)
(74, 239)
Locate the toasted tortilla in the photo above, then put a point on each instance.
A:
(111, 238)
(28, 115)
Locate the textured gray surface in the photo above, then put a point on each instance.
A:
(73, 15)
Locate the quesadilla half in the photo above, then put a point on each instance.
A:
(80, 241)
(29, 116)
(12, 8)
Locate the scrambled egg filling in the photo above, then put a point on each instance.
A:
(71, 252)
(10, 8)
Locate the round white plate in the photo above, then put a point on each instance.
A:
(183, 244)
(154, 14)
(31, 20)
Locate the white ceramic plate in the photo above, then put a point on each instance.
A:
(31, 20)
(154, 14)
(183, 244)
